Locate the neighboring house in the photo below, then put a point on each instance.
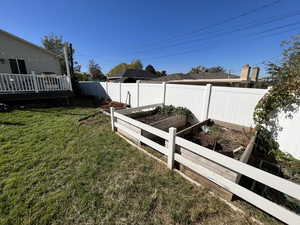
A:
(18, 56)
(247, 76)
(131, 76)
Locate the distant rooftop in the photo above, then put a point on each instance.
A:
(203, 75)
(135, 74)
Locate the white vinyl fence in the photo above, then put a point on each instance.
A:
(261, 176)
(233, 105)
(21, 83)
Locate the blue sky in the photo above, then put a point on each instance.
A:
(172, 35)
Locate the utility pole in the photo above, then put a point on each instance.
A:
(67, 60)
(71, 60)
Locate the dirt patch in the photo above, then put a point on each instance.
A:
(153, 118)
(221, 139)
(105, 105)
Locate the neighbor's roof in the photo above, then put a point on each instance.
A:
(132, 73)
(27, 42)
(197, 76)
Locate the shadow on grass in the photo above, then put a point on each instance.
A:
(11, 123)
(56, 107)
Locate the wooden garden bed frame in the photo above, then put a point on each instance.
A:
(143, 111)
(211, 165)
(239, 167)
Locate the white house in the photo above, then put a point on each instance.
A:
(18, 56)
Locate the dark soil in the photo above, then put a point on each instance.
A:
(222, 140)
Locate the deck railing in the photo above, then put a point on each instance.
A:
(20, 83)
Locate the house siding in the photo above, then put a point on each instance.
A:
(35, 59)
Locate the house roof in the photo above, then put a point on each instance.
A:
(132, 73)
(27, 42)
(198, 76)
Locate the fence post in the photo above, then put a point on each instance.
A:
(164, 93)
(106, 86)
(34, 77)
(206, 101)
(112, 111)
(138, 92)
(120, 84)
(171, 147)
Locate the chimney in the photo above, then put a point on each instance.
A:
(244, 75)
(254, 73)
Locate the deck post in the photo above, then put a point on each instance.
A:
(34, 77)
(171, 147)
(112, 117)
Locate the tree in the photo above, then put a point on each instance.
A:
(55, 44)
(202, 69)
(284, 96)
(198, 69)
(118, 69)
(95, 70)
(135, 64)
(216, 69)
(150, 69)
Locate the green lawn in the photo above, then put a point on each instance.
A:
(53, 171)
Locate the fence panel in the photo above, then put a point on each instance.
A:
(150, 94)
(234, 105)
(129, 94)
(188, 96)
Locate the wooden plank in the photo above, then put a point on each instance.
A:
(275, 182)
(260, 202)
(200, 160)
(143, 126)
(246, 155)
(231, 125)
(216, 189)
(191, 128)
(144, 140)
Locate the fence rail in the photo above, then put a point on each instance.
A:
(20, 83)
(268, 179)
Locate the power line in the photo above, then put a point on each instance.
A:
(224, 33)
(244, 14)
(187, 52)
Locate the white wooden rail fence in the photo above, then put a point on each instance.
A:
(268, 179)
(228, 104)
(20, 83)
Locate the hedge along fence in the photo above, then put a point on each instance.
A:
(232, 105)
(261, 176)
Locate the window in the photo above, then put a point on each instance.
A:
(17, 66)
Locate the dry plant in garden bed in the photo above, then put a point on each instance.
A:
(225, 138)
(227, 141)
(164, 117)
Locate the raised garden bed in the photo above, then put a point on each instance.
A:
(158, 116)
(231, 140)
